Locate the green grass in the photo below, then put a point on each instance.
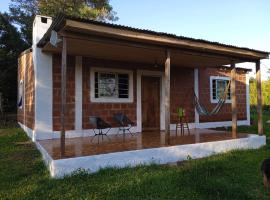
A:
(235, 175)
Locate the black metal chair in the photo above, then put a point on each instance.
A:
(125, 124)
(100, 125)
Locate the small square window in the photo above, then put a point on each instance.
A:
(218, 86)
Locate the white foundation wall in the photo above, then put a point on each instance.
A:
(163, 155)
(29, 132)
(43, 82)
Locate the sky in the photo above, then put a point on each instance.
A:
(244, 23)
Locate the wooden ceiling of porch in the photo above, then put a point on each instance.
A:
(130, 52)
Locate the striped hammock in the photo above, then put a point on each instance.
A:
(203, 111)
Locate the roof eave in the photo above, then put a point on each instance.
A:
(61, 21)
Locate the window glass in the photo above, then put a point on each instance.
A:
(111, 85)
(218, 88)
(123, 85)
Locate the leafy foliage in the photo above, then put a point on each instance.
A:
(89, 9)
(23, 11)
(265, 93)
(21, 15)
(11, 45)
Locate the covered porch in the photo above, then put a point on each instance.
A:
(154, 53)
(144, 148)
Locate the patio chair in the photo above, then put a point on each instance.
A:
(100, 125)
(182, 123)
(124, 123)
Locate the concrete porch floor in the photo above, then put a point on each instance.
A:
(88, 146)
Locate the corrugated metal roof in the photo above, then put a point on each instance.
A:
(60, 19)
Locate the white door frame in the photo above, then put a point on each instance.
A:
(160, 74)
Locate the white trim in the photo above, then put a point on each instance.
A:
(139, 100)
(78, 93)
(46, 158)
(110, 100)
(43, 94)
(160, 74)
(211, 87)
(206, 125)
(196, 90)
(24, 108)
(29, 132)
(135, 129)
(43, 83)
(247, 99)
(162, 155)
(222, 124)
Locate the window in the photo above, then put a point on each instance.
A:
(218, 86)
(20, 95)
(111, 85)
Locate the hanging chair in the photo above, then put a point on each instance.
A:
(203, 111)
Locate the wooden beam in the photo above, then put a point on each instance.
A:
(234, 103)
(259, 98)
(63, 95)
(72, 25)
(148, 46)
(167, 95)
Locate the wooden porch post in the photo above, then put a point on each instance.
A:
(259, 98)
(63, 95)
(233, 97)
(167, 95)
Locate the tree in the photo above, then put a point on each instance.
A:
(265, 93)
(16, 33)
(90, 9)
(23, 11)
(11, 45)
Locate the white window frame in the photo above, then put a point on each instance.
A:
(93, 70)
(225, 78)
(21, 94)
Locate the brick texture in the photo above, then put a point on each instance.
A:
(225, 112)
(26, 114)
(182, 87)
(70, 99)
(182, 81)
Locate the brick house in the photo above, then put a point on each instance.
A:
(109, 68)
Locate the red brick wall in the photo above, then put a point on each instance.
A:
(70, 104)
(26, 114)
(225, 112)
(182, 87)
(182, 81)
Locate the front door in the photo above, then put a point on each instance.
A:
(150, 103)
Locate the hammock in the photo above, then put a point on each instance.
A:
(203, 111)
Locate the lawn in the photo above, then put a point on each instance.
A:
(234, 175)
